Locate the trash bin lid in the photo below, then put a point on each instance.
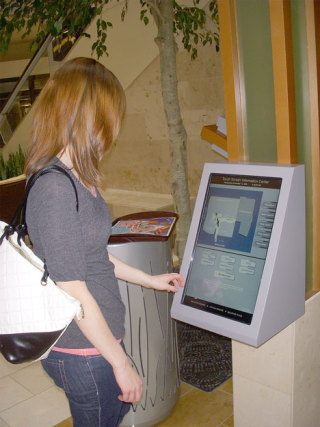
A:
(143, 226)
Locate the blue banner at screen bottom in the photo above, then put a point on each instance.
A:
(219, 310)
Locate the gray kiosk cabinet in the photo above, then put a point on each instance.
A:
(245, 255)
(143, 241)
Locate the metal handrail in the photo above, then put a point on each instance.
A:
(26, 73)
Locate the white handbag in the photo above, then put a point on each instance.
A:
(34, 311)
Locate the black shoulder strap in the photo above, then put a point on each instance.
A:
(18, 222)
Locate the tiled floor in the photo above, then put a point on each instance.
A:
(196, 408)
(28, 398)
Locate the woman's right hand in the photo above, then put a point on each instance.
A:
(129, 382)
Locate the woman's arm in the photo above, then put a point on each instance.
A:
(96, 330)
(163, 282)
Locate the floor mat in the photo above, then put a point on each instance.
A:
(205, 358)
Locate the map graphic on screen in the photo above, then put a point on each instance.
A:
(231, 245)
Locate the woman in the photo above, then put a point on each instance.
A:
(77, 117)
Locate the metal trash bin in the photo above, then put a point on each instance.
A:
(150, 338)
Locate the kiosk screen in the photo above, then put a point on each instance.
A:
(231, 245)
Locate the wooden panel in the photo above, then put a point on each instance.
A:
(317, 41)
(282, 57)
(211, 134)
(231, 77)
(313, 32)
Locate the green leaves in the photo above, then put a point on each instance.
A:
(143, 14)
(124, 10)
(213, 8)
(99, 46)
(3, 174)
(190, 23)
(13, 166)
(48, 17)
(55, 17)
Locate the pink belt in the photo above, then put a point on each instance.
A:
(78, 351)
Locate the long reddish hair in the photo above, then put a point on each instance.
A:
(80, 109)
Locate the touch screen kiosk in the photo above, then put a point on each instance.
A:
(244, 260)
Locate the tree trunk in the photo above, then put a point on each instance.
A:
(177, 133)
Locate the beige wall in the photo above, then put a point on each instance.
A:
(130, 43)
(140, 158)
(10, 69)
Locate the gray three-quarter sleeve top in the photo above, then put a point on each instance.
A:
(74, 246)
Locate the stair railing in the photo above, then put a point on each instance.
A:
(5, 128)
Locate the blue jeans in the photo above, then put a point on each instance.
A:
(90, 387)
